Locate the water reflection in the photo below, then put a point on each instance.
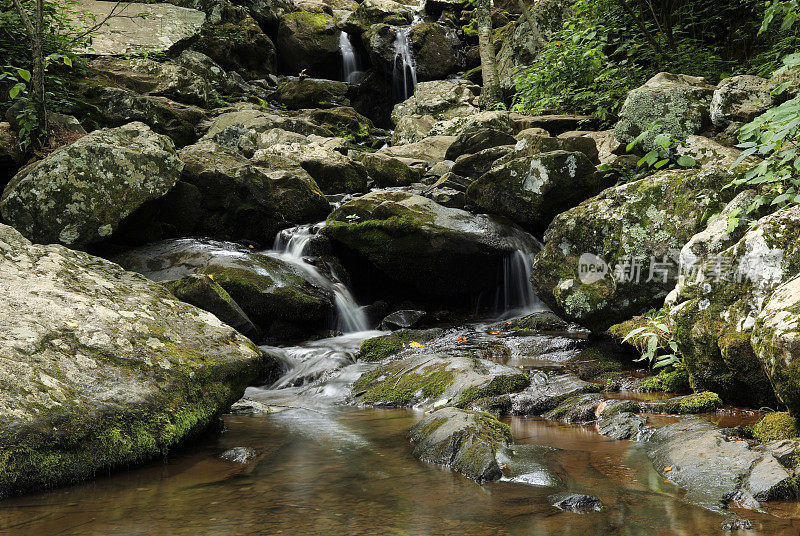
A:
(359, 478)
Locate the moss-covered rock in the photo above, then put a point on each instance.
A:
(383, 346)
(374, 12)
(466, 441)
(533, 190)
(677, 105)
(777, 425)
(112, 370)
(497, 386)
(388, 171)
(625, 232)
(309, 41)
(343, 122)
(435, 50)
(282, 299)
(79, 194)
(668, 381)
(296, 93)
(714, 315)
(423, 248)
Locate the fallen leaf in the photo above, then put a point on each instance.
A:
(211, 277)
(461, 339)
(494, 332)
(668, 469)
(415, 344)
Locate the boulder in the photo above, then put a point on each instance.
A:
(422, 248)
(607, 146)
(709, 153)
(10, 153)
(343, 122)
(614, 256)
(553, 124)
(285, 300)
(243, 201)
(470, 142)
(475, 165)
(443, 99)
(372, 12)
(468, 442)
(229, 127)
(673, 104)
(296, 93)
(729, 272)
(776, 341)
(533, 190)
(431, 149)
(547, 391)
(146, 76)
(740, 99)
(435, 51)
(532, 142)
(268, 13)
(309, 41)
(212, 72)
(155, 27)
(79, 194)
(201, 291)
(108, 368)
(696, 455)
(389, 171)
(119, 106)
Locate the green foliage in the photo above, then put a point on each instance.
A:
(773, 136)
(673, 380)
(777, 31)
(664, 153)
(655, 341)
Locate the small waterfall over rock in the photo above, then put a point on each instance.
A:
(404, 69)
(515, 294)
(291, 245)
(350, 61)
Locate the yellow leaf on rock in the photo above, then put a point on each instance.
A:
(415, 344)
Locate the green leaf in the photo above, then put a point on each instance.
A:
(24, 74)
(686, 161)
(67, 61)
(661, 163)
(16, 89)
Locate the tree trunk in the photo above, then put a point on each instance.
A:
(35, 30)
(491, 93)
(528, 14)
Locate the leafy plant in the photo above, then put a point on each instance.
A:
(654, 340)
(664, 154)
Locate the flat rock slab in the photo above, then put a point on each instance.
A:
(138, 27)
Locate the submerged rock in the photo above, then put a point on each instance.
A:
(466, 441)
(104, 369)
(579, 504)
(241, 455)
(79, 194)
(696, 455)
(422, 248)
(283, 299)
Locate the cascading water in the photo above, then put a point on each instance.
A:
(515, 294)
(350, 63)
(404, 69)
(290, 245)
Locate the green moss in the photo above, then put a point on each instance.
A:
(777, 425)
(668, 381)
(377, 348)
(317, 21)
(697, 403)
(393, 385)
(492, 430)
(499, 385)
(593, 363)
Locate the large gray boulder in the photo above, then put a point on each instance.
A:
(729, 272)
(533, 190)
(624, 233)
(741, 99)
(79, 194)
(674, 104)
(468, 442)
(309, 41)
(285, 300)
(422, 247)
(102, 368)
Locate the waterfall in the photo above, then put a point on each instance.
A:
(515, 294)
(404, 70)
(290, 246)
(350, 63)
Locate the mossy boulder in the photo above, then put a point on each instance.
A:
(468, 442)
(776, 341)
(296, 93)
(435, 50)
(343, 122)
(383, 346)
(639, 224)
(775, 426)
(668, 381)
(79, 194)
(703, 402)
(203, 292)
(730, 273)
(533, 190)
(285, 300)
(673, 104)
(228, 128)
(372, 12)
(102, 368)
(388, 171)
(309, 41)
(423, 248)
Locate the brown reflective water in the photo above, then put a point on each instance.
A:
(350, 472)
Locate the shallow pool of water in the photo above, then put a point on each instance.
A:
(346, 471)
